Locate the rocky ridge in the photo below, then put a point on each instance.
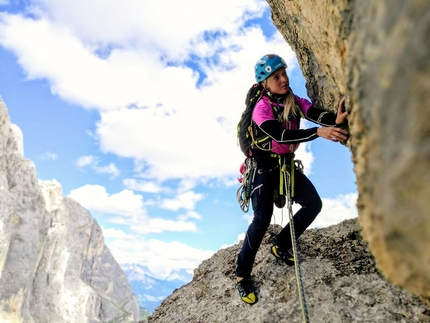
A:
(340, 280)
(54, 265)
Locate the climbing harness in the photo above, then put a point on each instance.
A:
(288, 181)
(243, 194)
(246, 188)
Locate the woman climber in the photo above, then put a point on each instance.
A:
(277, 114)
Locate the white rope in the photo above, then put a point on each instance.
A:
(300, 288)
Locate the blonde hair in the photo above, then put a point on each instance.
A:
(290, 107)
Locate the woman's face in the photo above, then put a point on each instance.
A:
(278, 82)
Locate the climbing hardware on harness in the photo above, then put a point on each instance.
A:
(244, 191)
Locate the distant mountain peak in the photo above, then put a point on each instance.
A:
(152, 290)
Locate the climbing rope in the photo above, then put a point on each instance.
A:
(289, 188)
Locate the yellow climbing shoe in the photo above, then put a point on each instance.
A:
(285, 256)
(246, 291)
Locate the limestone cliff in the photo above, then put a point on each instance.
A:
(340, 281)
(54, 265)
(377, 54)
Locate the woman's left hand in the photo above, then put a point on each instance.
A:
(342, 114)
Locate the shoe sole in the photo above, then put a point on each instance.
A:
(250, 299)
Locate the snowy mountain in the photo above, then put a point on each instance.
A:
(150, 290)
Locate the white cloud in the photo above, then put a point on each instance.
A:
(336, 210)
(191, 133)
(190, 215)
(305, 156)
(112, 233)
(63, 44)
(160, 257)
(146, 225)
(162, 28)
(179, 130)
(143, 186)
(86, 161)
(96, 198)
(185, 201)
(333, 212)
(49, 156)
(109, 169)
(93, 162)
(163, 258)
(128, 209)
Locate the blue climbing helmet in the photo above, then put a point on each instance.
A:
(267, 65)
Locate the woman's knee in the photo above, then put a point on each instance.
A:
(312, 203)
(317, 205)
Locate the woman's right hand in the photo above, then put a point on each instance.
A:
(334, 134)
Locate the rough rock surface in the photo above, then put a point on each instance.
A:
(340, 281)
(54, 265)
(377, 53)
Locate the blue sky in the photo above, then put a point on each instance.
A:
(133, 109)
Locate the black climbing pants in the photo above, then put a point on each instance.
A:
(265, 183)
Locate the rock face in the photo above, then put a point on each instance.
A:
(377, 54)
(54, 265)
(340, 280)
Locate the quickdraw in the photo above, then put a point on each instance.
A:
(244, 191)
